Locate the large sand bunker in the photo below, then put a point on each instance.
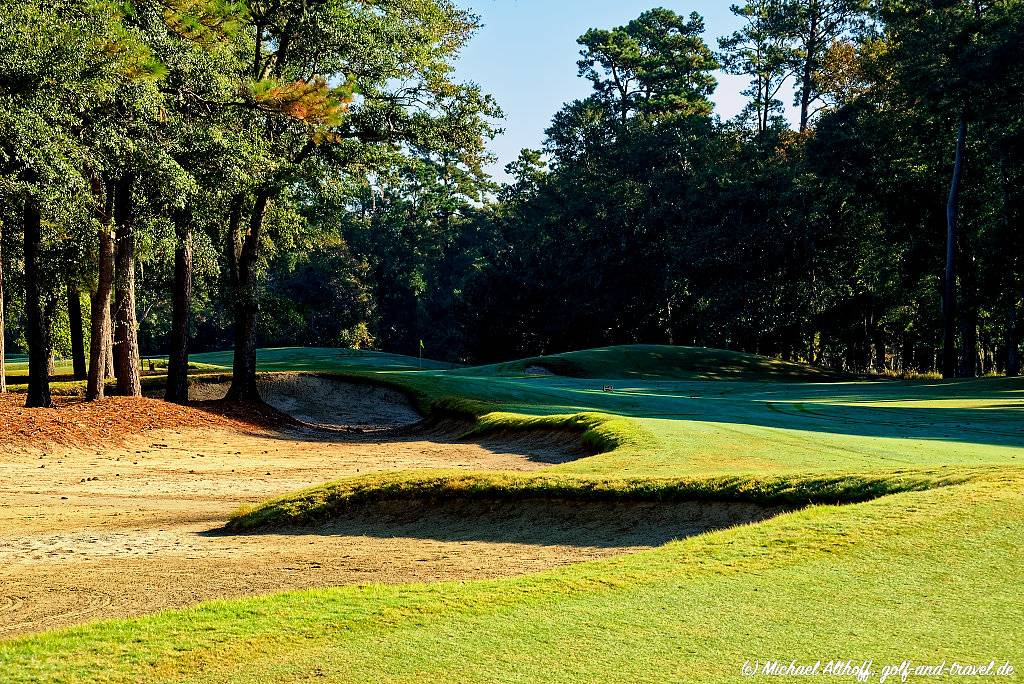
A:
(325, 402)
(117, 531)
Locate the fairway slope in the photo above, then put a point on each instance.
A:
(648, 361)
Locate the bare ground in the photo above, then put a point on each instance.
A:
(117, 531)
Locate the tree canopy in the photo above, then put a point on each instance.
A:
(199, 174)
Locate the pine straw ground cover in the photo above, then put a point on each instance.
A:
(74, 422)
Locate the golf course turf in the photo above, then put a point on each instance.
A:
(901, 538)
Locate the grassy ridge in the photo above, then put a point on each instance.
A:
(712, 428)
(650, 361)
(323, 502)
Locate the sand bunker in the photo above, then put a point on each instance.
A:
(326, 402)
(136, 527)
(538, 521)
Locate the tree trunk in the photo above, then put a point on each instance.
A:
(1012, 342)
(243, 381)
(126, 334)
(37, 329)
(1012, 333)
(177, 367)
(968, 362)
(3, 366)
(109, 366)
(77, 332)
(100, 336)
(949, 286)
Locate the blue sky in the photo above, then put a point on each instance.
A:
(525, 55)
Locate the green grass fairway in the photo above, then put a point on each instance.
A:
(646, 361)
(325, 360)
(687, 427)
(16, 366)
(285, 359)
(921, 562)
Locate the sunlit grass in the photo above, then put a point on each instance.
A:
(921, 575)
(924, 568)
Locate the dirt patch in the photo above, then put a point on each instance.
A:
(326, 402)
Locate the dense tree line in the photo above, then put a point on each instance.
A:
(883, 234)
(202, 174)
(167, 153)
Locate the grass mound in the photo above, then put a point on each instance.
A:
(325, 502)
(660, 361)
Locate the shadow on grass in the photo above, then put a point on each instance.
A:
(598, 524)
(991, 410)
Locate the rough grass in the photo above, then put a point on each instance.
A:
(321, 503)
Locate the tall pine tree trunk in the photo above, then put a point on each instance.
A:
(1012, 342)
(177, 368)
(1012, 333)
(949, 366)
(37, 328)
(243, 381)
(808, 70)
(126, 334)
(3, 365)
(109, 366)
(76, 332)
(100, 338)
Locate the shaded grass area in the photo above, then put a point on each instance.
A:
(324, 502)
(270, 360)
(316, 359)
(62, 384)
(741, 427)
(889, 579)
(649, 361)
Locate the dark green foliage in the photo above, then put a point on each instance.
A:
(326, 211)
(825, 246)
